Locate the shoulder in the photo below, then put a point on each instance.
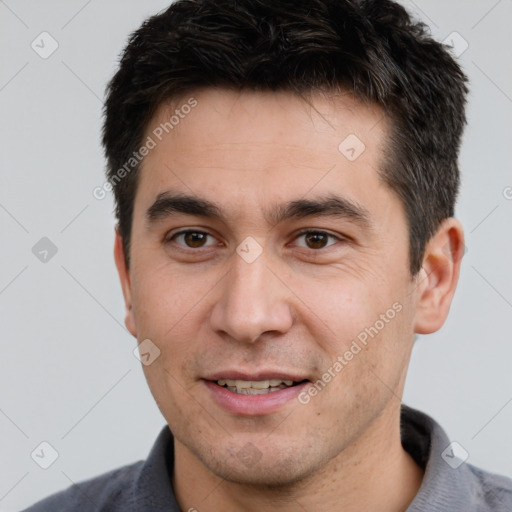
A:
(111, 491)
(141, 486)
(491, 490)
(449, 483)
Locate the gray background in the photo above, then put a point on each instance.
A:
(67, 372)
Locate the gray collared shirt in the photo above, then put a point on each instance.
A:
(145, 486)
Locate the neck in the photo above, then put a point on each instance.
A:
(374, 473)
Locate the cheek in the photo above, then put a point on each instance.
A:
(365, 332)
(167, 299)
(373, 361)
(338, 309)
(170, 307)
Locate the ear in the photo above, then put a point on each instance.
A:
(438, 277)
(124, 277)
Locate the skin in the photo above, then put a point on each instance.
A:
(296, 308)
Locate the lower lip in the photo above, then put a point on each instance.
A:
(253, 405)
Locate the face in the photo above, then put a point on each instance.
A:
(269, 266)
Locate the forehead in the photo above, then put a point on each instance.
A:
(250, 147)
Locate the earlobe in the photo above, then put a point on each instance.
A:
(124, 277)
(437, 280)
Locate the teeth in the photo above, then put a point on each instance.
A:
(249, 391)
(251, 387)
(242, 384)
(259, 384)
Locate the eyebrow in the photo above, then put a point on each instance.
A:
(168, 203)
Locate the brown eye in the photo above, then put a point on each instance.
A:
(316, 240)
(192, 239)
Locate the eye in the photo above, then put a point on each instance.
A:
(316, 239)
(192, 239)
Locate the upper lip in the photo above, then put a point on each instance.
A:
(255, 376)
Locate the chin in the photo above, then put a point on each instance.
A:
(269, 468)
(261, 476)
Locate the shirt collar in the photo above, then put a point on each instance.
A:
(443, 487)
(152, 490)
(448, 483)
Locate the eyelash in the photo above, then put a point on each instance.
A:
(173, 237)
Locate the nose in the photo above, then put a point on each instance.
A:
(252, 302)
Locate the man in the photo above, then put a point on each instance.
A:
(285, 175)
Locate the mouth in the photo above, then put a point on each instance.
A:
(257, 387)
(257, 393)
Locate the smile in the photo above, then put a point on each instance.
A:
(254, 395)
(255, 387)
